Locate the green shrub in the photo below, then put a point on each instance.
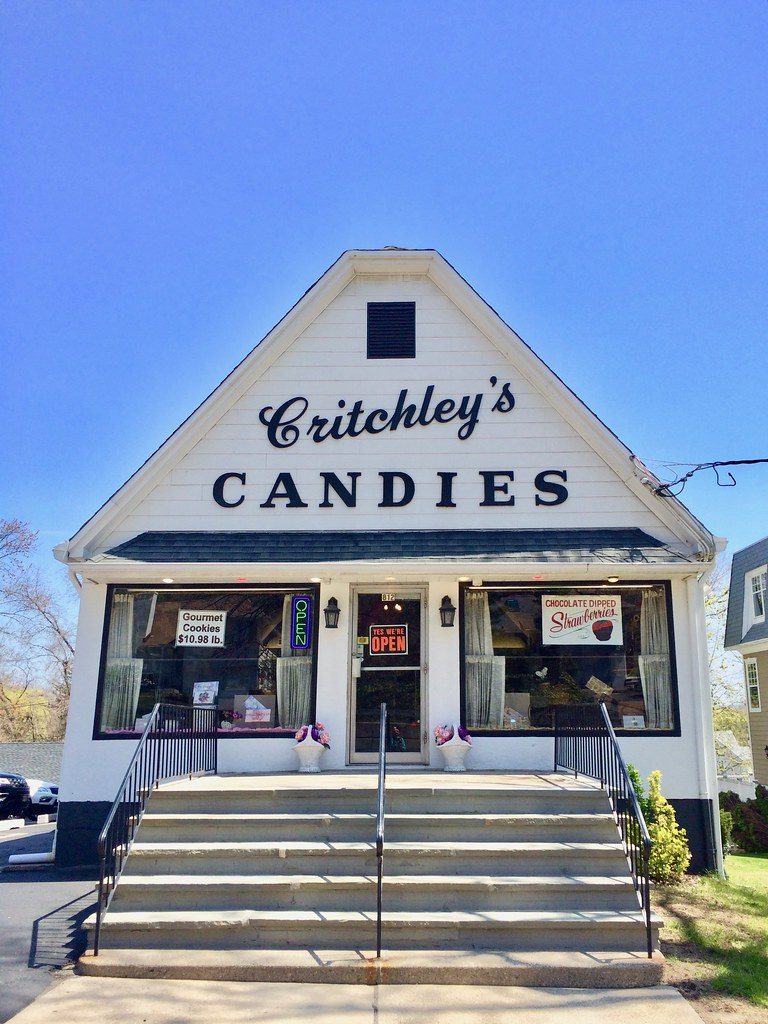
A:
(761, 800)
(670, 855)
(726, 830)
(750, 820)
(637, 785)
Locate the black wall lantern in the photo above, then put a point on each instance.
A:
(331, 612)
(447, 612)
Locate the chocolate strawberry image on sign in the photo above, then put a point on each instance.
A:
(602, 629)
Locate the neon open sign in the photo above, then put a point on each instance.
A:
(301, 618)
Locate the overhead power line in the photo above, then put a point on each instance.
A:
(666, 490)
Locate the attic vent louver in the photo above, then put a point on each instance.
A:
(391, 330)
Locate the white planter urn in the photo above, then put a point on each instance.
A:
(309, 752)
(454, 752)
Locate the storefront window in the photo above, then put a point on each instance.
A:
(248, 653)
(529, 650)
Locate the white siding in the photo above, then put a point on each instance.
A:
(328, 363)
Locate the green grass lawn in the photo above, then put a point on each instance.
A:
(748, 869)
(716, 932)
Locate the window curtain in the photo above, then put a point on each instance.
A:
(654, 662)
(122, 679)
(484, 672)
(294, 677)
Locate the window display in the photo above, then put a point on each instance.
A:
(528, 650)
(232, 649)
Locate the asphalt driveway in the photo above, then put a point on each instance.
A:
(41, 911)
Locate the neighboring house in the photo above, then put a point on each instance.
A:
(746, 631)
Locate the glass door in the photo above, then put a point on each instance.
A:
(388, 664)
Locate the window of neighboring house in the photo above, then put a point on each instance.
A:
(753, 684)
(756, 596)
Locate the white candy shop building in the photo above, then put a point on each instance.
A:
(391, 499)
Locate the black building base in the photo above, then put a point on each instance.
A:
(698, 819)
(77, 831)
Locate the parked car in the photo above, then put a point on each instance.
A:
(14, 795)
(43, 797)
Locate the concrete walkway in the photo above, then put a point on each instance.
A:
(83, 1000)
(41, 914)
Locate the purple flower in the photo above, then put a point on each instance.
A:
(317, 732)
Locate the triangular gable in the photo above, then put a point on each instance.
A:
(465, 352)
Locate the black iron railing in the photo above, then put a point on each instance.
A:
(176, 741)
(380, 820)
(586, 744)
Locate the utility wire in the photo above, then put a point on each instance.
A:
(666, 491)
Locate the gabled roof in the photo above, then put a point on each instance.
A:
(675, 516)
(619, 546)
(744, 561)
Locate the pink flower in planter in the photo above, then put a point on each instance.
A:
(318, 733)
(443, 733)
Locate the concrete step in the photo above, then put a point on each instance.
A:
(184, 827)
(537, 968)
(240, 798)
(489, 879)
(582, 930)
(402, 892)
(301, 857)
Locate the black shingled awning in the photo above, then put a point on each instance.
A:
(616, 545)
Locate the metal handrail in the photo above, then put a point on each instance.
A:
(586, 744)
(177, 740)
(380, 820)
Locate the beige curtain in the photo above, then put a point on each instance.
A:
(294, 677)
(484, 672)
(122, 679)
(653, 661)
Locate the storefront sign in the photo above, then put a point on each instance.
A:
(301, 618)
(388, 639)
(200, 628)
(581, 619)
(286, 423)
(494, 488)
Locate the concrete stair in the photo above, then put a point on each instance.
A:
(493, 878)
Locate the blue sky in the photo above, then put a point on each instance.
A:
(175, 174)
